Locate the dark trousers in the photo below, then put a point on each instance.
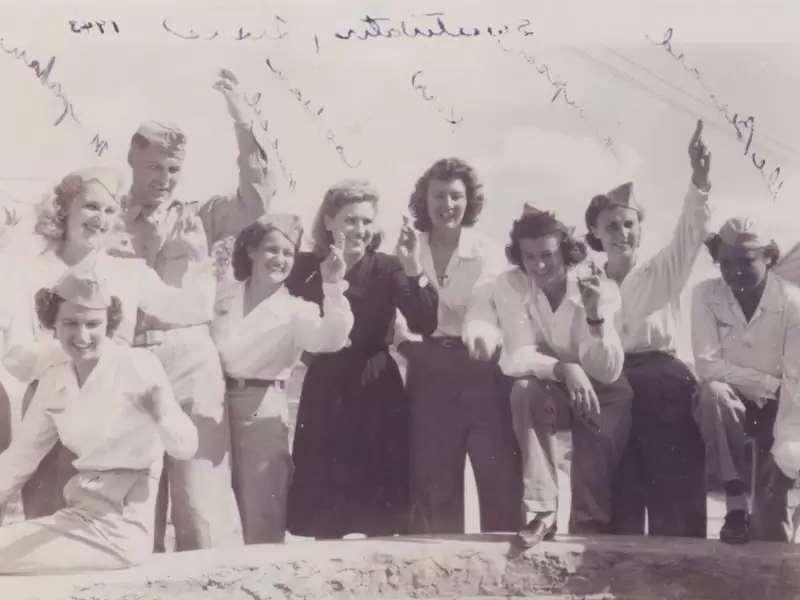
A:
(460, 407)
(729, 428)
(663, 468)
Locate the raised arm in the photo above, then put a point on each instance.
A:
(600, 348)
(224, 216)
(418, 303)
(663, 277)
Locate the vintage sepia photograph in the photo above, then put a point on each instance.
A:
(305, 299)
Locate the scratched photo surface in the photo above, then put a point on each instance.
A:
(552, 102)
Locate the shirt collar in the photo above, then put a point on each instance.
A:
(133, 210)
(771, 298)
(470, 243)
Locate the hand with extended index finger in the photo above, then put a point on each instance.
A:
(408, 249)
(228, 86)
(333, 267)
(700, 158)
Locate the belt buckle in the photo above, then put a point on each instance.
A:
(239, 383)
(449, 343)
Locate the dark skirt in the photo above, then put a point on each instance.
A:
(351, 448)
(663, 468)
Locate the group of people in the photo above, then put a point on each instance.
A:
(156, 337)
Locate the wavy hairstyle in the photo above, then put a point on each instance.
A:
(248, 239)
(52, 212)
(573, 250)
(347, 191)
(48, 302)
(447, 169)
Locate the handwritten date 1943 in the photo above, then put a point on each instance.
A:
(83, 26)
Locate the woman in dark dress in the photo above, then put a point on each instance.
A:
(351, 445)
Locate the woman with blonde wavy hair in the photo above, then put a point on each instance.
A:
(351, 445)
(78, 225)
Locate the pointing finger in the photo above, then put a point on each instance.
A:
(698, 131)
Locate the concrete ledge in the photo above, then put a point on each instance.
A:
(443, 567)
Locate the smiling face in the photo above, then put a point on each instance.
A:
(273, 258)
(90, 217)
(743, 269)
(81, 330)
(446, 202)
(543, 261)
(619, 230)
(155, 174)
(356, 222)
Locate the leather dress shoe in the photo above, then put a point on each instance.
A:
(536, 531)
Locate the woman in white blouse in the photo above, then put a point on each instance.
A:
(663, 467)
(261, 331)
(113, 407)
(77, 224)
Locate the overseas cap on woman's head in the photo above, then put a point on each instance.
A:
(166, 136)
(622, 195)
(744, 232)
(541, 222)
(288, 224)
(82, 286)
(111, 179)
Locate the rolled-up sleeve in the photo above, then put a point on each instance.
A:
(224, 216)
(329, 332)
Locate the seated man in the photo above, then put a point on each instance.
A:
(746, 341)
(560, 344)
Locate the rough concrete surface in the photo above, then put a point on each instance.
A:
(484, 565)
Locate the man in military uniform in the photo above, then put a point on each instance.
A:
(174, 237)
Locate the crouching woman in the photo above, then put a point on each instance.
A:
(112, 406)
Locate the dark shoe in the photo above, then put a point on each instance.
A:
(536, 531)
(736, 529)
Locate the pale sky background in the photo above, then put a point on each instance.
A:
(524, 146)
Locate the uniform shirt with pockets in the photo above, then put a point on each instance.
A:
(102, 422)
(759, 358)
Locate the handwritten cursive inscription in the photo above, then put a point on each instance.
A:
(433, 25)
(314, 111)
(744, 127)
(449, 117)
(43, 75)
(239, 34)
(559, 87)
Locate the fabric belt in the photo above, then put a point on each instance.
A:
(446, 341)
(237, 383)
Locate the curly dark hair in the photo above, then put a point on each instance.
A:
(771, 251)
(530, 226)
(447, 169)
(249, 238)
(48, 302)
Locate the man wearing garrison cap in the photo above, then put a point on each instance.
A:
(174, 237)
(746, 341)
(563, 351)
